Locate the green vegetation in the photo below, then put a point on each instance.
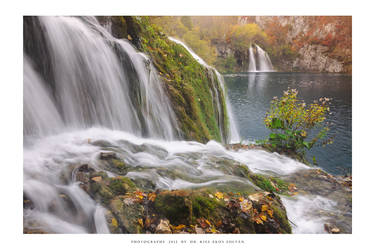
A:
(291, 121)
(188, 84)
(241, 36)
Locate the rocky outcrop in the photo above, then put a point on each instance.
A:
(321, 44)
(314, 58)
(131, 208)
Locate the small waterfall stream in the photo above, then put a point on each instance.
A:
(260, 61)
(234, 136)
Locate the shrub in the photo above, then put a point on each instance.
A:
(291, 121)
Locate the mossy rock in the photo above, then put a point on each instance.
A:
(120, 185)
(175, 205)
(116, 165)
(127, 215)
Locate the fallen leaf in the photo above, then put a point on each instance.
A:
(179, 227)
(255, 197)
(270, 212)
(151, 196)
(219, 223)
(97, 179)
(219, 195)
(246, 206)
(264, 207)
(207, 222)
(258, 220)
(139, 195)
(292, 187)
(263, 216)
(140, 221)
(114, 222)
(147, 222)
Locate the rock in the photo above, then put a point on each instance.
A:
(85, 168)
(330, 228)
(107, 155)
(199, 230)
(163, 227)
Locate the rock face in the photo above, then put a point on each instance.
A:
(321, 44)
(314, 58)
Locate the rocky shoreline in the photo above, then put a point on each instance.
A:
(134, 206)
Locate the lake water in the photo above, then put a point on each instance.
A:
(251, 93)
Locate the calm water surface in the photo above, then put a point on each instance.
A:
(251, 93)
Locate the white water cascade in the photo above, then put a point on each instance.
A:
(91, 87)
(260, 61)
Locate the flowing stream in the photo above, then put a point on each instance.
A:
(86, 92)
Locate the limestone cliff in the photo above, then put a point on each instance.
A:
(321, 43)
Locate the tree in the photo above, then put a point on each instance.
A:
(241, 36)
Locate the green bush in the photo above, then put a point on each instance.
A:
(291, 120)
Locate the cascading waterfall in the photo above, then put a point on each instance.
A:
(260, 62)
(90, 86)
(86, 92)
(40, 114)
(252, 62)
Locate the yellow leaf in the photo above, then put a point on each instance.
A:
(179, 227)
(219, 195)
(263, 217)
(140, 221)
(264, 207)
(258, 220)
(270, 212)
(114, 222)
(207, 222)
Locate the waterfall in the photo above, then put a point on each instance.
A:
(97, 81)
(40, 115)
(234, 136)
(260, 62)
(252, 62)
(264, 60)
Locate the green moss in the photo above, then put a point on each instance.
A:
(175, 205)
(121, 185)
(262, 182)
(188, 84)
(280, 215)
(118, 163)
(205, 207)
